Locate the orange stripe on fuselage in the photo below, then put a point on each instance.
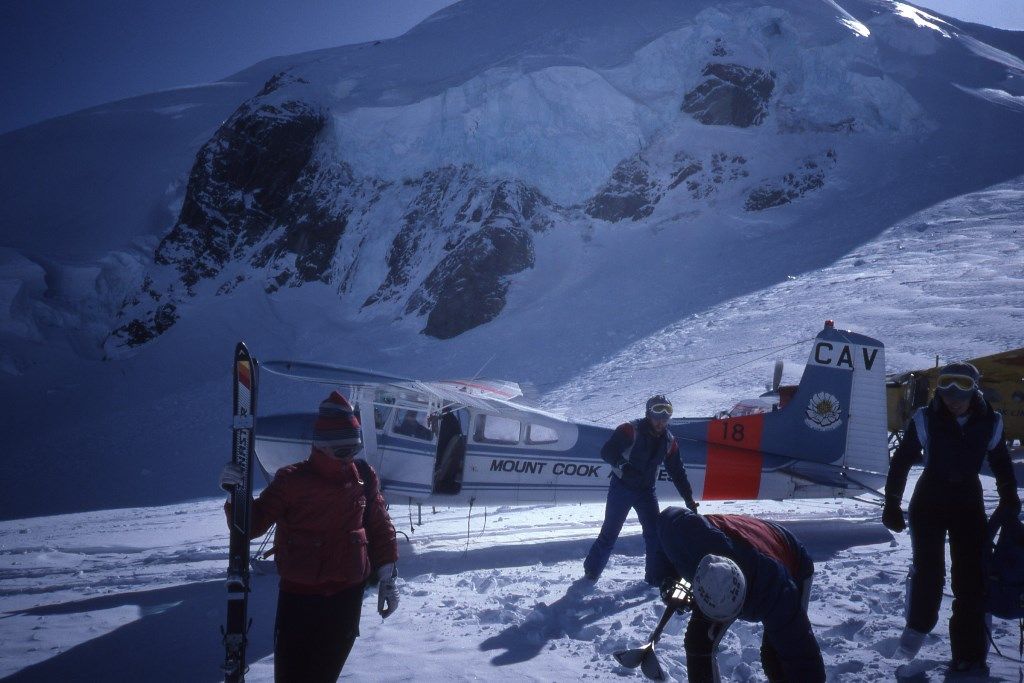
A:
(734, 458)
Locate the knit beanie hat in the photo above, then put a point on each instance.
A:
(336, 426)
(719, 588)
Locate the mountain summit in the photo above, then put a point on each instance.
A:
(419, 177)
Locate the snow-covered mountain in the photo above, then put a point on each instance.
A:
(540, 190)
(424, 192)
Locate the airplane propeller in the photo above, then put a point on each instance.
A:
(773, 388)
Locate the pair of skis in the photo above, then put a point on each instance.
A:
(243, 426)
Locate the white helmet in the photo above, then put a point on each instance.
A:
(719, 588)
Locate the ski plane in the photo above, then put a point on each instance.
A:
(466, 442)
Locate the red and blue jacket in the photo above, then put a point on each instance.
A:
(637, 452)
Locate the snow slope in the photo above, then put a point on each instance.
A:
(913, 237)
(932, 144)
(493, 596)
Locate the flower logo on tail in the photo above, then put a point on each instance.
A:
(823, 412)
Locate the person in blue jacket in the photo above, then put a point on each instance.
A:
(635, 451)
(741, 567)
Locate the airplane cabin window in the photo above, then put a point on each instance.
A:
(496, 429)
(412, 423)
(539, 434)
(381, 406)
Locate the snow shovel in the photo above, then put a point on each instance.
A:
(678, 597)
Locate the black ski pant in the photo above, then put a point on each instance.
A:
(938, 509)
(788, 645)
(313, 635)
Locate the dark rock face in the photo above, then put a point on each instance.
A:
(479, 231)
(631, 193)
(240, 186)
(732, 95)
(261, 195)
(809, 177)
(722, 168)
(635, 189)
(309, 227)
(469, 286)
(440, 193)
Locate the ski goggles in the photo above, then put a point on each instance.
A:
(340, 450)
(957, 383)
(662, 411)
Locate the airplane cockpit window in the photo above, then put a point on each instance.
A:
(496, 429)
(539, 434)
(413, 423)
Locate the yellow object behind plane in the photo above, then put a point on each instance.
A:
(1002, 383)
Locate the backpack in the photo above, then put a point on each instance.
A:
(1005, 580)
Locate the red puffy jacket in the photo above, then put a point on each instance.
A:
(321, 544)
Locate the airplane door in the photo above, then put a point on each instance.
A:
(369, 433)
(451, 454)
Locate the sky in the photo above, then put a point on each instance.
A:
(59, 56)
(1008, 14)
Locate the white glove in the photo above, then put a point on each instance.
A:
(387, 590)
(230, 476)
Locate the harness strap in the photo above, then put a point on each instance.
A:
(921, 424)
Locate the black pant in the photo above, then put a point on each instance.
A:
(788, 643)
(935, 510)
(314, 634)
(701, 641)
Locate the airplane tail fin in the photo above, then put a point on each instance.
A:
(837, 416)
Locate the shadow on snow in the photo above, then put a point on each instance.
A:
(177, 637)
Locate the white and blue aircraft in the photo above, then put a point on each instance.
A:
(466, 442)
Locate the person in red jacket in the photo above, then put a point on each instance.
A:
(333, 533)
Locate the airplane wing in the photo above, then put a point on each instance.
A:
(482, 394)
(324, 373)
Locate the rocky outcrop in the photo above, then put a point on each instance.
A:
(635, 189)
(468, 287)
(240, 186)
(703, 182)
(451, 204)
(631, 193)
(809, 177)
(263, 195)
(731, 95)
(468, 234)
